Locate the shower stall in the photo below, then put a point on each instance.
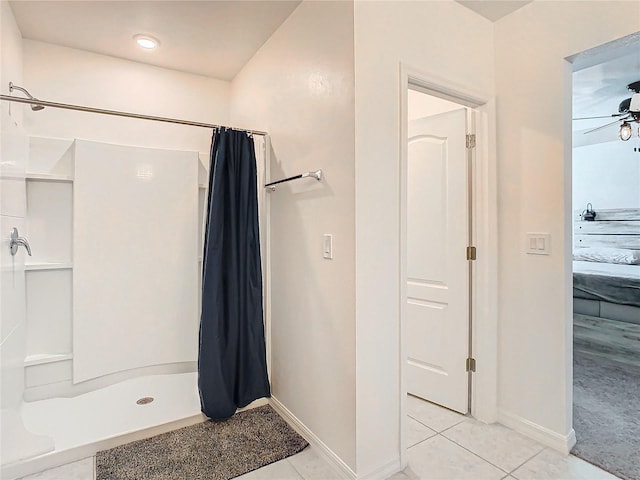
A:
(106, 305)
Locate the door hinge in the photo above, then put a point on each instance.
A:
(471, 140)
(471, 364)
(471, 253)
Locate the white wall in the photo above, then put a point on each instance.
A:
(421, 105)
(607, 175)
(533, 84)
(78, 77)
(299, 87)
(417, 34)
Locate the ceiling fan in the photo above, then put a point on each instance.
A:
(628, 111)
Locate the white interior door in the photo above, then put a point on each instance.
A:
(437, 269)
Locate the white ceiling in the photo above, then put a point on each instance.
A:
(598, 91)
(494, 9)
(212, 38)
(217, 38)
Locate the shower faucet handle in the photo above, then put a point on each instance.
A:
(18, 241)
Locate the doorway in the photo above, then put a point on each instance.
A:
(482, 347)
(606, 257)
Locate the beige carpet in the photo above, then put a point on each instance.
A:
(206, 451)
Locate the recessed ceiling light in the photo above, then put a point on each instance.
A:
(146, 41)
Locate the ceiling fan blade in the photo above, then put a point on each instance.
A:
(604, 126)
(613, 115)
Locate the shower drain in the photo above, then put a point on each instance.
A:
(144, 400)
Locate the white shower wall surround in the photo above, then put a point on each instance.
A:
(123, 301)
(16, 441)
(135, 255)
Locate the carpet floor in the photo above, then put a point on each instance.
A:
(606, 414)
(206, 451)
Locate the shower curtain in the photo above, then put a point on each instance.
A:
(232, 367)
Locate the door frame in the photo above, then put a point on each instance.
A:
(484, 274)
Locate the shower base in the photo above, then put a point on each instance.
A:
(101, 419)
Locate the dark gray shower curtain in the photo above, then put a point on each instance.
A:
(232, 367)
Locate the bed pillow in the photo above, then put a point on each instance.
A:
(621, 256)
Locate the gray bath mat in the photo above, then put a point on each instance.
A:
(606, 406)
(206, 451)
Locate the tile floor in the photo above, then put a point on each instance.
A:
(443, 445)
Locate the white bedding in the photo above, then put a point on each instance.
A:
(607, 269)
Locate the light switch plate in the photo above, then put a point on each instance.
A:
(538, 243)
(327, 246)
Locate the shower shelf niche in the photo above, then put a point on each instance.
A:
(43, 358)
(48, 266)
(49, 272)
(48, 177)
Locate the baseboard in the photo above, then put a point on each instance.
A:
(549, 438)
(255, 404)
(571, 440)
(342, 469)
(383, 472)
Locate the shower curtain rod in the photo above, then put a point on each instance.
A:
(81, 108)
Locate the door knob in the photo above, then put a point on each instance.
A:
(18, 241)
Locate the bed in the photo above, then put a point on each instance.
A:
(602, 289)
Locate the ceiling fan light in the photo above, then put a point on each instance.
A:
(625, 132)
